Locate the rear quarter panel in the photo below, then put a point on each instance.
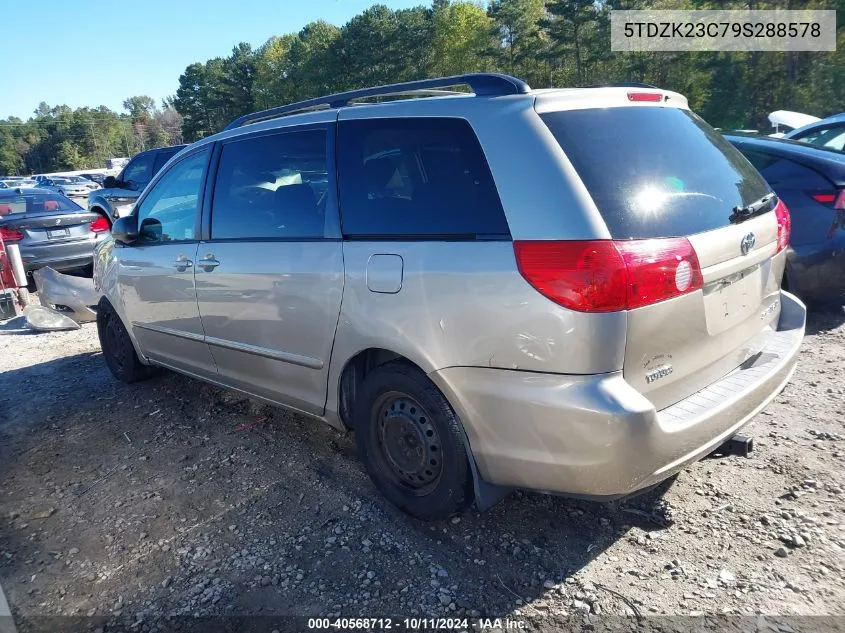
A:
(465, 304)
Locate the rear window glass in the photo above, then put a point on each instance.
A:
(416, 178)
(39, 203)
(140, 170)
(160, 160)
(655, 172)
(787, 173)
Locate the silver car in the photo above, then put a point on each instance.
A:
(90, 185)
(65, 186)
(573, 291)
(50, 229)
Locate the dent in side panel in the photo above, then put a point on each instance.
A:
(464, 303)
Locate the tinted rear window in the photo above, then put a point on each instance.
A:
(655, 172)
(785, 172)
(416, 178)
(161, 158)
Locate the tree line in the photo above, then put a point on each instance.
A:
(549, 43)
(60, 138)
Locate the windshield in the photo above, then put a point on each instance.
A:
(655, 172)
(36, 203)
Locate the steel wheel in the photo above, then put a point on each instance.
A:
(408, 442)
(116, 340)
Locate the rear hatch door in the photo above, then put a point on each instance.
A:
(656, 171)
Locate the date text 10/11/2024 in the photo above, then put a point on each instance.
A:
(417, 624)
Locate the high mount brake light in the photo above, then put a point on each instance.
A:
(654, 97)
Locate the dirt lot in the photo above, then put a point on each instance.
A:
(171, 497)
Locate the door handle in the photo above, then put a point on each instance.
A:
(182, 264)
(208, 263)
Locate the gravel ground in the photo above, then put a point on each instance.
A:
(172, 497)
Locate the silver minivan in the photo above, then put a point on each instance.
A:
(574, 291)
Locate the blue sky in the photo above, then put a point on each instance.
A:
(90, 53)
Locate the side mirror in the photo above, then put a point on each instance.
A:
(125, 230)
(151, 230)
(110, 182)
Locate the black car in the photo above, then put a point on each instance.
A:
(97, 178)
(118, 195)
(811, 182)
(50, 229)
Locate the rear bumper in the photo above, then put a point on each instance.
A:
(60, 255)
(818, 271)
(596, 436)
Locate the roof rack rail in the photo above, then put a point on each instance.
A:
(632, 84)
(482, 84)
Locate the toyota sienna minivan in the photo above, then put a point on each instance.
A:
(574, 291)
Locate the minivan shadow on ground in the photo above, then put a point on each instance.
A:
(824, 317)
(118, 494)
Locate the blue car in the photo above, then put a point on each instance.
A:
(811, 181)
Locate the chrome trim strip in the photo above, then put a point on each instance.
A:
(287, 357)
(166, 330)
(255, 350)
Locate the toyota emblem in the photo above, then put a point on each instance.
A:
(747, 243)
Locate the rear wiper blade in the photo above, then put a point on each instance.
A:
(741, 214)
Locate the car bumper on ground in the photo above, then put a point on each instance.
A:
(598, 437)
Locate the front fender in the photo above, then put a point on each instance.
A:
(116, 202)
(97, 202)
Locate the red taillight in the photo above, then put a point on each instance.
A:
(606, 276)
(823, 198)
(99, 225)
(836, 199)
(645, 96)
(10, 235)
(784, 225)
(659, 269)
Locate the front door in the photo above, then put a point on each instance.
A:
(269, 274)
(156, 272)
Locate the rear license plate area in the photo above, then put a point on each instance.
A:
(57, 234)
(732, 303)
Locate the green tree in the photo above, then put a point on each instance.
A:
(140, 108)
(520, 41)
(461, 39)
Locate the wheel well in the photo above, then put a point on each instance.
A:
(356, 370)
(353, 375)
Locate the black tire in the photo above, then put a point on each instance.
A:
(412, 443)
(117, 348)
